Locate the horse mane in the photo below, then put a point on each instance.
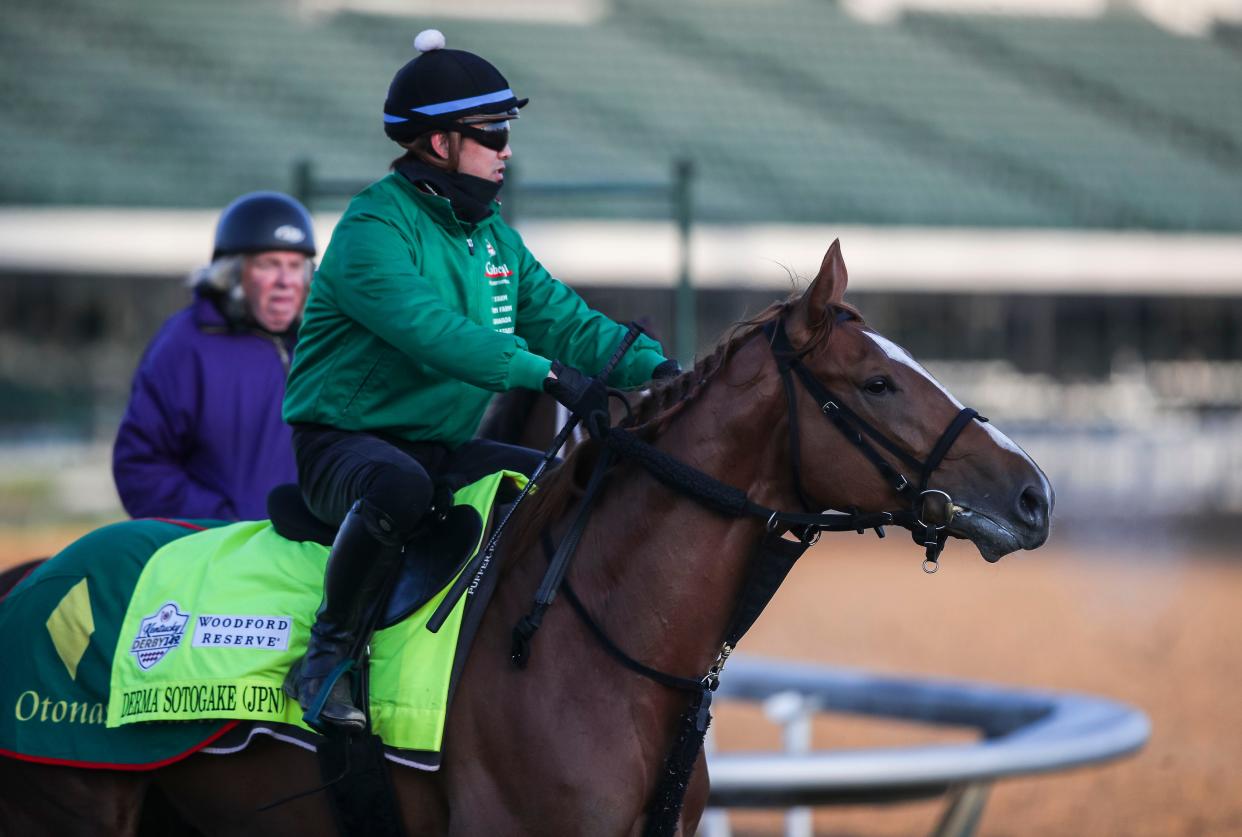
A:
(653, 408)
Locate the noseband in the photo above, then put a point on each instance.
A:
(931, 510)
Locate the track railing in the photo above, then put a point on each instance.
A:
(1022, 732)
(677, 193)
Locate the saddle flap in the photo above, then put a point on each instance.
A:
(431, 560)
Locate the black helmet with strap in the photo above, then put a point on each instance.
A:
(440, 87)
(263, 221)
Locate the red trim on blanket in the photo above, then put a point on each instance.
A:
(98, 765)
(193, 526)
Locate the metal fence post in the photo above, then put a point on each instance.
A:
(715, 822)
(684, 304)
(509, 206)
(793, 711)
(304, 182)
(961, 818)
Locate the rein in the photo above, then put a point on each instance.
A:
(773, 557)
(932, 503)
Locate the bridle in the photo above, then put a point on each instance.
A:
(928, 516)
(930, 510)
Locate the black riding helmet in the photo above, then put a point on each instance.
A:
(263, 221)
(442, 86)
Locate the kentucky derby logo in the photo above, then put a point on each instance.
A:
(158, 634)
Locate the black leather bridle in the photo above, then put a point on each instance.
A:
(931, 510)
(774, 555)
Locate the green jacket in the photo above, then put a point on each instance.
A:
(415, 318)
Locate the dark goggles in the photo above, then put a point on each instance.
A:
(493, 134)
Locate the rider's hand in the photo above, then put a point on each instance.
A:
(667, 369)
(582, 395)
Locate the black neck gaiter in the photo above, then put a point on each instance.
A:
(471, 197)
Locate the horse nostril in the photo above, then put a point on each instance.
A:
(1033, 507)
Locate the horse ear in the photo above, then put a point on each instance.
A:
(828, 288)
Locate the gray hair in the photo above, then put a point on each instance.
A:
(223, 278)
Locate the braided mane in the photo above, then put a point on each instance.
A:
(652, 409)
(655, 406)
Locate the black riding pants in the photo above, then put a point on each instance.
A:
(395, 479)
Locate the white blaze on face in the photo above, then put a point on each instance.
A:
(900, 355)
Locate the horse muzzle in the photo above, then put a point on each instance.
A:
(1025, 526)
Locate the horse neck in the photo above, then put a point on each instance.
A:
(665, 573)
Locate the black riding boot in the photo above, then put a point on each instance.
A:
(358, 568)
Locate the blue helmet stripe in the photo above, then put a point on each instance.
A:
(389, 118)
(462, 104)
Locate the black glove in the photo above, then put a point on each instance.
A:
(585, 397)
(667, 369)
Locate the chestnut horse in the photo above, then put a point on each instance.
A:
(575, 743)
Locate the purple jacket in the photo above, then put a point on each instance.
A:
(202, 435)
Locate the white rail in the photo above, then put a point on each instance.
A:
(1022, 732)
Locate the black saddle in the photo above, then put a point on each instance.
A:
(435, 554)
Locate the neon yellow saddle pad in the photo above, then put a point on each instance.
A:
(217, 618)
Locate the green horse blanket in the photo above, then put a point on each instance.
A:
(60, 625)
(146, 640)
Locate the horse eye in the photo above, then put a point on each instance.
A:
(878, 385)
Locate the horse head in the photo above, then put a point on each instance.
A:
(985, 488)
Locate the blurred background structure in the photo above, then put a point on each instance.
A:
(1041, 199)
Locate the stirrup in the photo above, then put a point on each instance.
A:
(312, 715)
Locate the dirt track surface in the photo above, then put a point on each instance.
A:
(1158, 633)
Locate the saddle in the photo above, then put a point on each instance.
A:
(435, 554)
(361, 796)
